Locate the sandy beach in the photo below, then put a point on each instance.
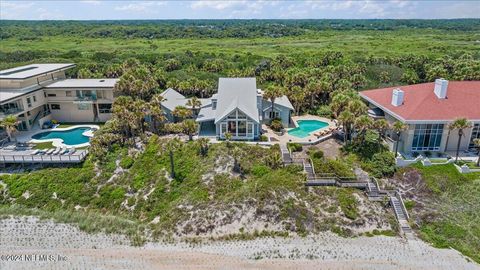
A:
(71, 248)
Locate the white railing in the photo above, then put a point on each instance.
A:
(75, 158)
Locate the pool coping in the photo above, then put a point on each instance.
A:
(59, 142)
(310, 139)
(295, 123)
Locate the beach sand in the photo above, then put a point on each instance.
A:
(74, 249)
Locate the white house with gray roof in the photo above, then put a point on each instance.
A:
(238, 108)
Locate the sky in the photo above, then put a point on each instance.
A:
(237, 9)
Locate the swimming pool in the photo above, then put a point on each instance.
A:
(70, 137)
(305, 127)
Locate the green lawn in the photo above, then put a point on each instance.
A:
(457, 221)
(43, 145)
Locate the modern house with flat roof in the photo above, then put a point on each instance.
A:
(39, 92)
(237, 108)
(428, 109)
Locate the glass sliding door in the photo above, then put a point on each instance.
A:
(475, 135)
(242, 128)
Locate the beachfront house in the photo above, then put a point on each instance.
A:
(428, 109)
(237, 108)
(37, 93)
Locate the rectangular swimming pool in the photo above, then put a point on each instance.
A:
(305, 127)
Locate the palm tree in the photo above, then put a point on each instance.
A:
(450, 128)
(271, 93)
(228, 138)
(380, 125)
(189, 127)
(203, 142)
(9, 123)
(194, 103)
(476, 142)
(398, 127)
(346, 118)
(171, 146)
(182, 112)
(363, 123)
(313, 89)
(460, 124)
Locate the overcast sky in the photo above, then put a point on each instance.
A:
(238, 9)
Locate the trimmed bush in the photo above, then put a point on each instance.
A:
(295, 147)
(276, 125)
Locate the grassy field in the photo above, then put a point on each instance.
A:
(449, 215)
(356, 43)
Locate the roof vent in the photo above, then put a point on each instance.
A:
(441, 86)
(397, 97)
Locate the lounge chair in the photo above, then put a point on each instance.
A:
(36, 152)
(43, 151)
(57, 151)
(63, 151)
(49, 152)
(72, 151)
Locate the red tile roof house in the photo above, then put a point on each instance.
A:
(427, 109)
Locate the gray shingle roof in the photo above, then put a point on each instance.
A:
(172, 99)
(238, 93)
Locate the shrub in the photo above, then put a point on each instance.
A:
(126, 162)
(260, 170)
(383, 164)
(324, 111)
(263, 138)
(427, 154)
(415, 154)
(295, 147)
(316, 154)
(276, 125)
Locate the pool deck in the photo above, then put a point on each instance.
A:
(311, 139)
(9, 156)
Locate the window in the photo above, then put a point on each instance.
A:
(105, 108)
(242, 128)
(68, 93)
(84, 106)
(273, 115)
(475, 135)
(29, 102)
(427, 137)
(249, 129)
(100, 94)
(52, 95)
(28, 113)
(55, 106)
(223, 128)
(44, 94)
(34, 98)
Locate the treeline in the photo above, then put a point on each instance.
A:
(159, 29)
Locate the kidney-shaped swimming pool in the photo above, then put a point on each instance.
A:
(70, 137)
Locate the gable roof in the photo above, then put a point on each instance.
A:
(172, 99)
(280, 101)
(237, 93)
(24, 72)
(421, 103)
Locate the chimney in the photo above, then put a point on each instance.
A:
(441, 86)
(397, 97)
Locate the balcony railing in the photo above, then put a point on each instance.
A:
(86, 98)
(5, 112)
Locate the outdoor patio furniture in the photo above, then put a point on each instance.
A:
(50, 151)
(43, 151)
(72, 151)
(57, 151)
(63, 151)
(36, 152)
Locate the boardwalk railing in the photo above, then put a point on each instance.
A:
(75, 158)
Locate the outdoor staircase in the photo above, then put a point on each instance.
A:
(401, 215)
(286, 156)
(308, 168)
(373, 192)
